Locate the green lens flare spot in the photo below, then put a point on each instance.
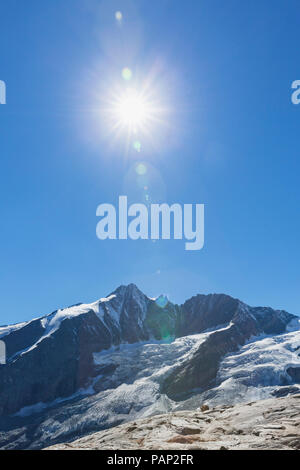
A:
(137, 145)
(127, 74)
(141, 169)
(162, 301)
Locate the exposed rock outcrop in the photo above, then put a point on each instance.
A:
(272, 424)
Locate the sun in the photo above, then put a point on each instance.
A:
(132, 110)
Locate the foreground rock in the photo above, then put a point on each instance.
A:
(266, 424)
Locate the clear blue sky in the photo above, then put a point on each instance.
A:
(231, 142)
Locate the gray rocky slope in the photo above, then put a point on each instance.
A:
(272, 424)
(94, 366)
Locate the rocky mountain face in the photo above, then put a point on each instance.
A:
(200, 371)
(122, 356)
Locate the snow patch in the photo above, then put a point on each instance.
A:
(51, 323)
(6, 330)
(40, 407)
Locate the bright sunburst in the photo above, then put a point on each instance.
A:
(132, 110)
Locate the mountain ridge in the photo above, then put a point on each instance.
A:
(126, 315)
(122, 287)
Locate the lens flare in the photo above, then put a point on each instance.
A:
(119, 16)
(137, 145)
(127, 74)
(141, 169)
(162, 301)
